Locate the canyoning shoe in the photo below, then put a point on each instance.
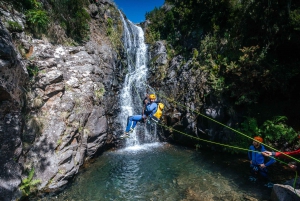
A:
(252, 179)
(269, 185)
(125, 135)
(131, 130)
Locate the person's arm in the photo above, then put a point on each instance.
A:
(145, 101)
(250, 153)
(152, 107)
(293, 167)
(264, 152)
(270, 162)
(269, 153)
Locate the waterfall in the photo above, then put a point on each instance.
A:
(134, 89)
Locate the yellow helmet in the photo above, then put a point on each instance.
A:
(152, 96)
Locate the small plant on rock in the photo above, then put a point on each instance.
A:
(33, 70)
(28, 184)
(14, 26)
(99, 92)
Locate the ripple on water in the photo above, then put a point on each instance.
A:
(158, 171)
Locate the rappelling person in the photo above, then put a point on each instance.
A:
(257, 161)
(149, 113)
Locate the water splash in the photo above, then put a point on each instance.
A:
(144, 147)
(134, 90)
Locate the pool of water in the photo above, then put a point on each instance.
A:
(163, 172)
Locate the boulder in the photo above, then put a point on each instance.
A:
(284, 193)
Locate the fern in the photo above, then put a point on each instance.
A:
(28, 184)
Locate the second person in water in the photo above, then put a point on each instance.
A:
(150, 108)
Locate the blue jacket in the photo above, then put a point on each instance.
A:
(150, 109)
(257, 158)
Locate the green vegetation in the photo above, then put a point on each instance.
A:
(72, 17)
(56, 19)
(114, 32)
(14, 26)
(250, 51)
(277, 130)
(58, 142)
(33, 70)
(274, 131)
(36, 16)
(28, 184)
(99, 92)
(248, 47)
(34, 125)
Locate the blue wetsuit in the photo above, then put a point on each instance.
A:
(257, 158)
(150, 109)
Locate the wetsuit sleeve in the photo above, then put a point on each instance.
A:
(270, 162)
(144, 100)
(271, 159)
(250, 153)
(152, 107)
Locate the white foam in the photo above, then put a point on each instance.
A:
(142, 147)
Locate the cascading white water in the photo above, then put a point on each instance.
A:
(134, 89)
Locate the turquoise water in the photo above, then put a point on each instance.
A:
(162, 172)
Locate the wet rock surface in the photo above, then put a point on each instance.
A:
(67, 103)
(57, 104)
(12, 79)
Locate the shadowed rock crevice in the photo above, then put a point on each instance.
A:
(4, 95)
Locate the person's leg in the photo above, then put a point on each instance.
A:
(129, 124)
(135, 119)
(132, 121)
(264, 174)
(253, 172)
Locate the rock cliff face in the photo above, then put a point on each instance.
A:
(68, 117)
(182, 87)
(12, 80)
(62, 113)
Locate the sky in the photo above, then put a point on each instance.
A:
(135, 10)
